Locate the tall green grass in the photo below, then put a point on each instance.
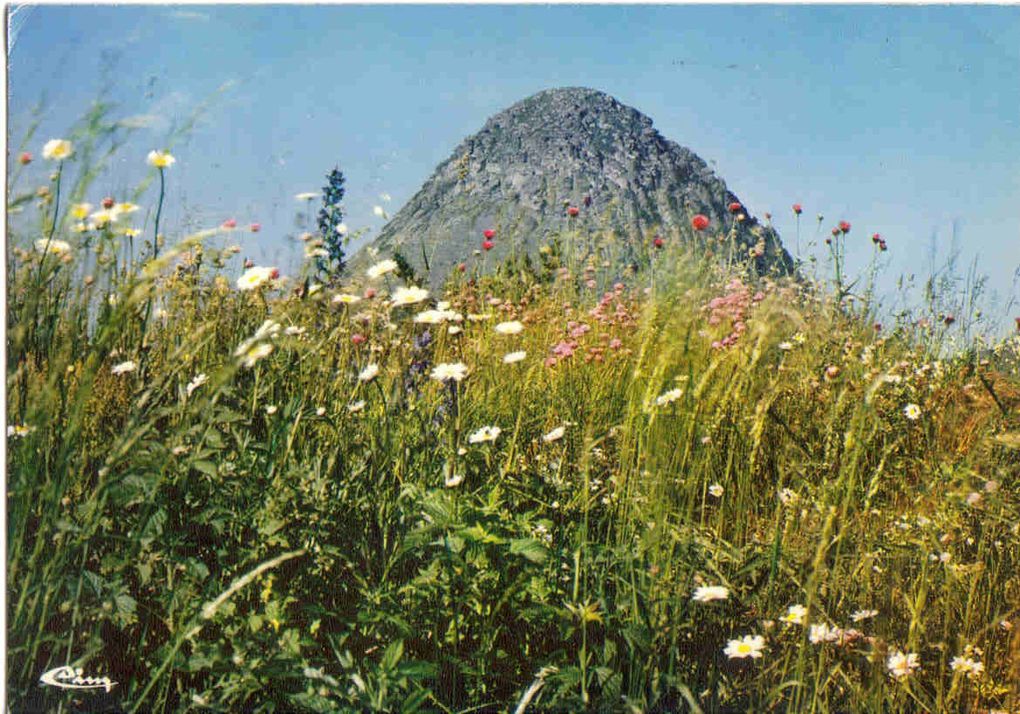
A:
(287, 536)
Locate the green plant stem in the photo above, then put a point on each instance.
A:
(159, 213)
(53, 224)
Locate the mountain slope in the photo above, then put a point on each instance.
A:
(570, 146)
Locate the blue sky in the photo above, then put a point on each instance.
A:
(903, 120)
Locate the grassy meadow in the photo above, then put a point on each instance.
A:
(553, 487)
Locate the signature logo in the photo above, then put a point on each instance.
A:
(71, 678)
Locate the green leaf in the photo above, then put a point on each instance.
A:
(206, 467)
(144, 573)
(228, 415)
(455, 543)
(637, 637)
(688, 696)
(199, 661)
(611, 683)
(126, 607)
(198, 568)
(415, 701)
(530, 548)
(391, 657)
(271, 526)
(478, 534)
(417, 669)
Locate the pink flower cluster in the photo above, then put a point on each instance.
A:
(577, 329)
(598, 353)
(564, 350)
(612, 309)
(733, 306)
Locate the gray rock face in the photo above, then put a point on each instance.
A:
(570, 146)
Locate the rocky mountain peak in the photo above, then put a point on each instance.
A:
(575, 146)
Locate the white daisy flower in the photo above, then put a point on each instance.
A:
(486, 433)
(251, 354)
(53, 247)
(668, 397)
(747, 646)
(125, 367)
(901, 665)
(554, 435)
(57, 149)
(160, 159)
(196, 382)
(708, 593)
(514, 327)
(408, 296)
(255, 278)
(381, 268)
(795, 615)
(456, 371)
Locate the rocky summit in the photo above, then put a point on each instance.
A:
(522, 172)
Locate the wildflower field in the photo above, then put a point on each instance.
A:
(555, 485)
